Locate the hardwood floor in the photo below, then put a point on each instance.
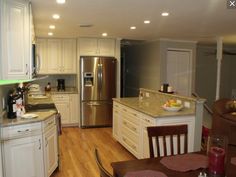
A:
(77, 152)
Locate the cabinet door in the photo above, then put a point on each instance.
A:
(64, 109)
(88, 46)
(23, 157)
(41, 56)
(54, 56)
(74, 108)
(106, 47)
(15, 40)
(50, 151)
(68, 56)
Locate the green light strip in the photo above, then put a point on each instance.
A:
(8, 82)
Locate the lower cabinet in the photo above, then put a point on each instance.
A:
(130, 128)
(30, 150)
(50, 151)
(67, 105)
(23, 157)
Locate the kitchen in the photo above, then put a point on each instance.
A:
(62, 45)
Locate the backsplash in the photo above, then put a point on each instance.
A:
(70, 80)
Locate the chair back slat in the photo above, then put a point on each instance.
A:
(171, 132)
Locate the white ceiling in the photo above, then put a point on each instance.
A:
(198, 20)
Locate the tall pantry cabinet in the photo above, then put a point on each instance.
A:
(15, 44)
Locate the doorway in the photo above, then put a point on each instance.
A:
(179, 71)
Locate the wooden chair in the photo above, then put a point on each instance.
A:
(173, 132)
(103, 171)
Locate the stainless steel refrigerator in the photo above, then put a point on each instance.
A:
(98, 87)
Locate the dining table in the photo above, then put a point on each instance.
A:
(121, 168)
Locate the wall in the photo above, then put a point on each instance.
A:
(166, 44)
(206, 70)
(145, 64)
(141, 67)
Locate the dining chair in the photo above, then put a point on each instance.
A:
(167, 140)
(103, 171)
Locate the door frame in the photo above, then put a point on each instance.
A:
(191, 70)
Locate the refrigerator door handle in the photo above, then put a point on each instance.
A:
(93, 104)
(100, 76)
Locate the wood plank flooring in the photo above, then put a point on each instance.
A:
(77, 151)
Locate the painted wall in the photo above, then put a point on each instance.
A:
(206, 70)
(146, 64)
(142, 67)
(170, 44)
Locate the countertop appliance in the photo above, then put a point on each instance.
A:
(60, 84)
(98, 87)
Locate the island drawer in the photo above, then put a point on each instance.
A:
(130, 145)
(132, 127)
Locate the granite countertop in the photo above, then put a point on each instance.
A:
(152, 107)
(42, 115)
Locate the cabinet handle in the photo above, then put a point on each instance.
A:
(27, 70)
(39, 144)
(147, 120)
(26, 130)
(125, 110)
(132, 146)
(135, 114)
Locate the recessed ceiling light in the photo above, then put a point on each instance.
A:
(164, 14)
(147, 21)
(52, 26)
(61, 1)
(133, 27)
(104, 34)
(55, 16)
(50, 34)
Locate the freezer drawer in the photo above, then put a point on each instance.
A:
(96, 113)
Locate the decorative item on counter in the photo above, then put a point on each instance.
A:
(172, 105)
(11, 104)
(141, 94)
(165, 87)
(48, 87)
(216, 154)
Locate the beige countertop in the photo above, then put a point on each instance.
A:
(152, 107)
(68, 90)
(42, 115)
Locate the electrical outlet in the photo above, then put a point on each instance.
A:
(147, 94)
(187, 104)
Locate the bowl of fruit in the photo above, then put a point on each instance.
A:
(172, 105)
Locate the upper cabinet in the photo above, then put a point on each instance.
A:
(56, 56)
(97, 47)
(15, 44)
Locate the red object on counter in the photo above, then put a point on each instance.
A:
(216, 160)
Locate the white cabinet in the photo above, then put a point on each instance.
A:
(41, 56)
(67, 105)
(68, 63)
(96, 47)
(130, 128)
(30, 150)
(15, 39)
(24, 157)
(50, 146)
(56, 56)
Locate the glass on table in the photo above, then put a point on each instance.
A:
(216, 149)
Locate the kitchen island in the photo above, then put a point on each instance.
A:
(131, 116)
